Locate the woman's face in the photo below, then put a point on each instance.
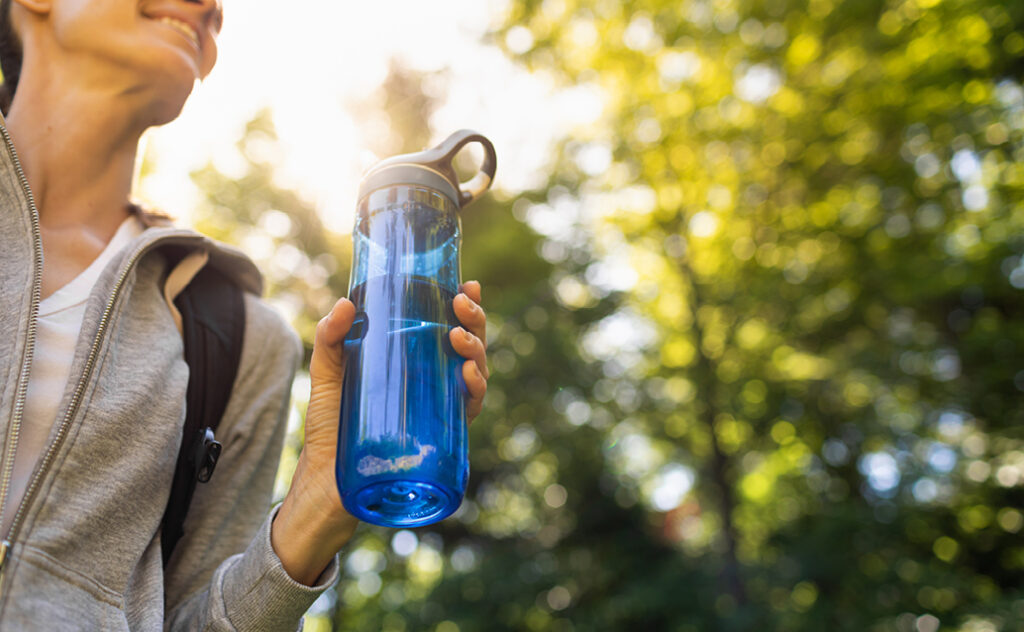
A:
(166, 43)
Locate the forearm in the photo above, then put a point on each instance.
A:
(250, 591)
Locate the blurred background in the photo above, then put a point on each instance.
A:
(754, 272)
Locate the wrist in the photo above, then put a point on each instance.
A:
(311, 525)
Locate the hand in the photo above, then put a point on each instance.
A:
(312, 524)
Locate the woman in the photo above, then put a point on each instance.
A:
(92, 380)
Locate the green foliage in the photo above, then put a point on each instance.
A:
(756, 346)
(305, 267)
(822, 202)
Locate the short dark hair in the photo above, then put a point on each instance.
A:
(10, 57)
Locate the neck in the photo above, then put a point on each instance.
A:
(78, 148)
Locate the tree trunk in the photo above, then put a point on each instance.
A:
(707, 395)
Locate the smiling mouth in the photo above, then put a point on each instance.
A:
(182, 28)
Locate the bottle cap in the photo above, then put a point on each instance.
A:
(433, 169)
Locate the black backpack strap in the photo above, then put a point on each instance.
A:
(213, 324)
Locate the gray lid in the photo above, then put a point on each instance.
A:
(433, 168)
(411, 174)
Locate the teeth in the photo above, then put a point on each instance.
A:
(184, 28)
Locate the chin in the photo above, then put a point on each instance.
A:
(169, 88)
(166, 111)
(161, 104)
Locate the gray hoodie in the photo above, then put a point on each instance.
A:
(83, 551)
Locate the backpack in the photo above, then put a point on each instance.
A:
(213, 323)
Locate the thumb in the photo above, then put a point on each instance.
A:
(327, 366)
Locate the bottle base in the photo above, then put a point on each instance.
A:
(402, 503)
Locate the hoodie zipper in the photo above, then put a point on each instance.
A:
(76, 399)
(90, 363)
(26, 361)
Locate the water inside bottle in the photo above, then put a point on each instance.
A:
(409, 404)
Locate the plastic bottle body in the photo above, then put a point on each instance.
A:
(402, 444)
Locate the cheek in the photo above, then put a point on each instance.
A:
(72, 10)
(92, 23)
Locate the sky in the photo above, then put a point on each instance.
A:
(308, 60)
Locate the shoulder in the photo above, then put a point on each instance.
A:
(265, 326)
(268, 333)
(270, 345)
(270, 357)
(161, 233)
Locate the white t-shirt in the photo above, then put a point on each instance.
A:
(60, 321)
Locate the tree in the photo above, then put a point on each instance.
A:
(756, 345)
(821, 202)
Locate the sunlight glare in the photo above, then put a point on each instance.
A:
(320, 59)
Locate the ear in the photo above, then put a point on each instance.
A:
(40, 7)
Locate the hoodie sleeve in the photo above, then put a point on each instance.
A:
(224, 574)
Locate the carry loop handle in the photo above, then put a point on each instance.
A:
(438, 161)
(440, 158)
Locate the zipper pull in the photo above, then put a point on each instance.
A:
(5, 546)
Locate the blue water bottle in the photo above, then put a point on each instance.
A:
(402, 445)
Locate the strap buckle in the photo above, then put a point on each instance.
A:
(206, 454)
